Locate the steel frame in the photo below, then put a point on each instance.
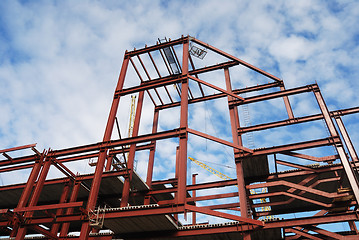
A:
(329, 189)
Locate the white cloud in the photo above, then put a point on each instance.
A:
(292, 48)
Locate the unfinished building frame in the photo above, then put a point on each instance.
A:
(114, 202)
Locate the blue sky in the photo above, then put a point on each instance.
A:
(59, 60)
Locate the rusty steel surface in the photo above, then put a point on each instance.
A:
(289, 189)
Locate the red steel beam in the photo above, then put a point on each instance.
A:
(81, 149)
(195, 132)
(353, 180)
(35, 195)
(149, 78)
(212, 68)
(48, 207)
(305, 199)
(172, 79)
(292, 185)
(183, 140)
(216, 88)
(157, 47)
(30, 183)
(116, 143)
(150, 85)
(292, 190)
(194, 215)
(24, 166)
(65, 226)
(221, 95)
(334, 167)
(63, 199)
(152, 151)
(294, 165)
(296, 120)
(301, 233)
(296, 146)
(144, 68)
(18, 148)
(196, 75)
(66, 180)
(326, 233)
(208, 211)
(159, 75)
(273, 95)
(136, 70)
(288, 107)
(234, 118)
(154, 65)
(236, 59)
(332, 218)
(347, 140)
(44, 232)
(312, 158)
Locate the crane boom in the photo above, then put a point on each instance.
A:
(209, 169)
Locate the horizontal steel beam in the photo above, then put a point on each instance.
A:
(296, 146)
(208, 211)
(157, 46)
(116, 143)
(18, 148)
(313, 220)
(273, 95)
(298, 120)
(221, 95)
(50, 206)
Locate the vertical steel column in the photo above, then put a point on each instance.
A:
(194, 219)
(131, 155)
(151, 158)
(65, 227)
(96, 182)
(40, 184)
(233, 111)
(176, 177)
(35, 196)
(65, 192)
(109, 163)
(31, 182)
(182, 165)
(25, 195)
(339, 146)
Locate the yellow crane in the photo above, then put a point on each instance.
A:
(209, 169)
(225, 177)
(132, 116)
(131, 123)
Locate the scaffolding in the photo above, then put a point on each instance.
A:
(310, 196)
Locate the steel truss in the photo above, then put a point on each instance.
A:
(327, 191)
